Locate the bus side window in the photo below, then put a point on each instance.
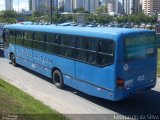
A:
(51, 43)
(38, 41)
(19, 37)
(39, 36)
(86, 43)
(81, 55)
(66, 46)
(52, 38)
(86, 50)
(12, 35)
(105, 52)
(27, 36)
(67, 40)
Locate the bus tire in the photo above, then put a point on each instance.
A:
(13, 60)
(58, 79)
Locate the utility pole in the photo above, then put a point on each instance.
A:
(51, 10)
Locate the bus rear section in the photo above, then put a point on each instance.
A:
(136, 65)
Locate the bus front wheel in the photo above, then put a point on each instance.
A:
(58, 79)
(13, 60)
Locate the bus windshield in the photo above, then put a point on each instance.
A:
(139, 46)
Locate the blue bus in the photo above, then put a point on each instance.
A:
(110, 63)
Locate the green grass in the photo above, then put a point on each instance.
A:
(158, 65)
(15, 101)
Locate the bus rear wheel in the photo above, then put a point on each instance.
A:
(13, 60)
(58, 79)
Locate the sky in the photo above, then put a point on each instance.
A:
(22, 4)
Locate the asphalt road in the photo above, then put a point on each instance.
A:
(74, 104)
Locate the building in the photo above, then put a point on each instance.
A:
(112, 6)
(68, 5)
(8, 4)
(131, 6)
(137, 6)
(103, 2)
(151, 7)
(60, 3)
(128, 6)
(30, 5)
(94, 5)
(88, 5)
(120, 8)
(79, 3)
(43, 5)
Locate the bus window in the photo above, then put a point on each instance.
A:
(51, 48)
(66, 40)
(67, 52)
(11, 36)
(28, 35)
(86, 43)
(86, 50)
(105, 52)
(39, 37)
(28, 39)
(51, 43)
(38, 41)
(19, 37)
(66, 46)
(91, 57)
(52, 38)
(81, 55)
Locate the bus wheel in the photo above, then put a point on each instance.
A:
(58, 79)
(13, 60)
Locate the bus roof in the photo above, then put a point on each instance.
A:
(101, 32)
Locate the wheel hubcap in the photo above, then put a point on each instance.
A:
(57, 78)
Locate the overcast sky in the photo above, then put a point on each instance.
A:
(22, 4)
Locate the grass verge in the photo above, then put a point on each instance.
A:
(15, 102)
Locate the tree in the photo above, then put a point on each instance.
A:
(79, 10)
(38, 13)
(102, 10)
(9, 16)
(61, 9)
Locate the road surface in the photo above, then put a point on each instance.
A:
(74, 104)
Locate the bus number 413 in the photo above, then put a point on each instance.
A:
(141, 78)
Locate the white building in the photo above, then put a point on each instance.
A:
(112, 6)
(43, 5)
(151, 6)
(8, 4)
